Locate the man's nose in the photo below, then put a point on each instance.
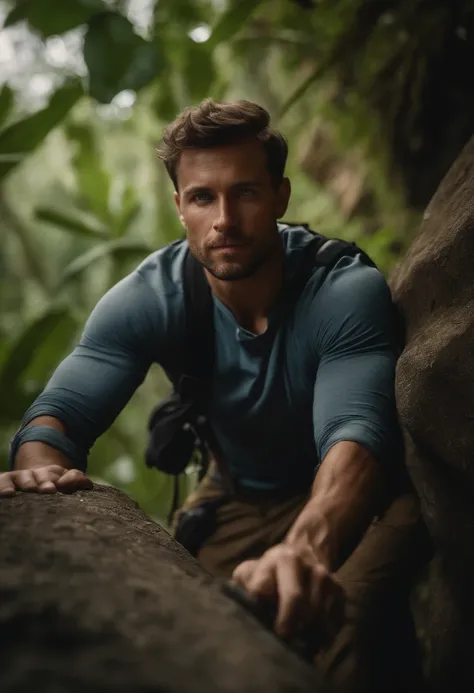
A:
(226, 217)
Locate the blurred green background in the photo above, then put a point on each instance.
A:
(375, 97)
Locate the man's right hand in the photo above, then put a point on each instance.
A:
(48, 479)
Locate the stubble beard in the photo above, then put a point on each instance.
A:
(233, 271)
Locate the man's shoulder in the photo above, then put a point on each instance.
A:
(354, 282)
(349, 285)
(149, 300)
(350, 292)
(162, 270)
(354, 303)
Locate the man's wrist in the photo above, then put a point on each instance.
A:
(45, 439)
(35, 454)
(311, 532)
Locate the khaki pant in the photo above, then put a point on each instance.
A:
(375, 651)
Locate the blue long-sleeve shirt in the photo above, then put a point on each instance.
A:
(323, 372)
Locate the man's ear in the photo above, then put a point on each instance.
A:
(283, 197)
(177, 202)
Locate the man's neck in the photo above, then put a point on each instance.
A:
(252, 299)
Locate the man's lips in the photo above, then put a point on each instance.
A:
(229, 244)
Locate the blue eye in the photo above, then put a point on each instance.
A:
(202, 197)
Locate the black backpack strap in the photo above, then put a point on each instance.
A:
(192, 385)
(171, 440)
(200, 357)
(331, 250)
(325, 252)
(199, 312)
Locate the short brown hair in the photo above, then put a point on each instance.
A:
(217, 123)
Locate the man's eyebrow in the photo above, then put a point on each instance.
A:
(195, 189)
(248, 183)
(188, 192)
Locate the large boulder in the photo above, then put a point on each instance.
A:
(434, 288)
(94, 596)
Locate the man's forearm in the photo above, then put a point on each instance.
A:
(35, 454)
(345, 497)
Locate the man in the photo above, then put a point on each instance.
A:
(302, 402)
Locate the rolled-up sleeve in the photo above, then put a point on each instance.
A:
(356, 338)
(91, 386)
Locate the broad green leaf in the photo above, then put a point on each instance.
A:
(50, 352)
(26, 350)
(168, 227)
(183, 13)
(51, 17)
(6, 103)
(92, 179)
(130, 209)
(231, 21)
(117, 58)
(4, 351)
(14, 403)
(77, 224)
(165, 104)
(121, 247)
(197, 69)
(128, 218)
(26, 135)
(301, 90)
(31, 359)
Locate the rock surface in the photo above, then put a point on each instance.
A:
(434, 288)
(94, 596)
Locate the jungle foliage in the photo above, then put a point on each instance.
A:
(375, 97)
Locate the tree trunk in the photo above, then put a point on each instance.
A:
(94, 596)
(434, 287)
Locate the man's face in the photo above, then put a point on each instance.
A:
(229, 207)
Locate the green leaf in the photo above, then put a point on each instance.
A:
(197, 69)
(165, 104)
(4, 351)
(6, 103)
(37, 342)
(92, 179)
(301, 90)
(26, 135)
(130, 209)
(30, 360)
(168, 226)
(121, 248)
(182, 13)
(13, 407)
(231, 21)
(50, 352)
(78, 225)
(51, 17)
(117, 58)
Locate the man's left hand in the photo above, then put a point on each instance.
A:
(304, 590)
